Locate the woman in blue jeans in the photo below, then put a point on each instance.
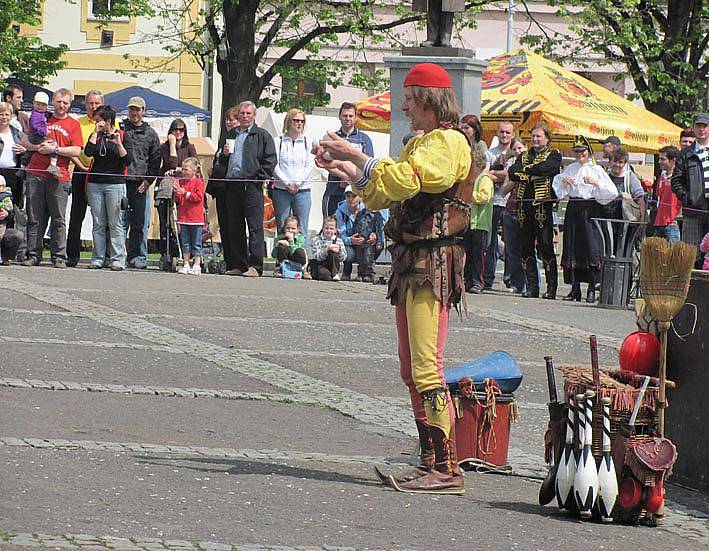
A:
(291, 178)
(106, 189)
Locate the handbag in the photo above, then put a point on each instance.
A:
(631, 210)
(216, 183)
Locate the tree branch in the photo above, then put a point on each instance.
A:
(629, 56)
(319, 31)
(534, 20)
(271, 34)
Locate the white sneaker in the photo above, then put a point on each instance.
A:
(196, 269)
(185, 269)
(336, 277)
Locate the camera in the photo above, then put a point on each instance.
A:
(111, 136)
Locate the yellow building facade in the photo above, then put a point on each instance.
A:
(112, 56)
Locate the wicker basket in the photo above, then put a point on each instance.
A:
(577, 380)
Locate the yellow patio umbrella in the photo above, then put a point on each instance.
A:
(374, 113)
(526, 88)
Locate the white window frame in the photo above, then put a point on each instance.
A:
(92, 17)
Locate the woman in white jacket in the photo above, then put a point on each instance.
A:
(291, 178)
(587, 186)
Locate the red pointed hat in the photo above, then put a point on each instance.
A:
(428, 75)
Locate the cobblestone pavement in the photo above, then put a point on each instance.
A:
(308, 374)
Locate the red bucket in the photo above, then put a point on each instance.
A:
(476, 436)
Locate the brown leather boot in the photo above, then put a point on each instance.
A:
(428, 458)
(446, 477)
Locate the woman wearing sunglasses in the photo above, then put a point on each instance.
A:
(291, 178)
(174, 150)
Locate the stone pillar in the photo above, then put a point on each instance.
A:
(466, 75)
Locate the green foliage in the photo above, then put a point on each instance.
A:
(662, 44)
(26, 58)
(308, 45)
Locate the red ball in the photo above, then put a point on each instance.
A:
(640, 353)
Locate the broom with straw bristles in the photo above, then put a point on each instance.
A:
(665, 272)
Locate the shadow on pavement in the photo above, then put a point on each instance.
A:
(254, 467)
(531, 509)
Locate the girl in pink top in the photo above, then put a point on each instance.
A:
(189, 198)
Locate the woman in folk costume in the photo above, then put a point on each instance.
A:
(588, 187)
(428, 191)
(533, 171)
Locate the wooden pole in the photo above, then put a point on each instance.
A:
(659, 516)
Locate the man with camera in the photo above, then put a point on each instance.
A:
(143, 145)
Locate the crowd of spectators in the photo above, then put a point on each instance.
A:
(112, 166)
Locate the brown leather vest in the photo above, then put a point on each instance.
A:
(438, 218)
(426, 233)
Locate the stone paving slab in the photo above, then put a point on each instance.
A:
(119, 366)
(291, 503)
(150, 390)
(184, 422)
(507, 505)
(357, 340)
(17, 324)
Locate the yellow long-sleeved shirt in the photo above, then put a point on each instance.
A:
(87, 128)
(430, 163)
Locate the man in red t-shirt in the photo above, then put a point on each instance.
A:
(668, 205)
(49, 182)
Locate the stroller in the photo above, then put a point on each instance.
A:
(167, 211)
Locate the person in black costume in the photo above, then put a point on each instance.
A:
(534, 171)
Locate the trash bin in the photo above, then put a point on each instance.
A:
(616, 278)
(619, 239)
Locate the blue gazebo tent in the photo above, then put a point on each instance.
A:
(157, 105)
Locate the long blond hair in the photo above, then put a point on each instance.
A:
(289, 117)
(439, 100)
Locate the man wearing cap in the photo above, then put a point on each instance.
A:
(49, 183)
(361, 231)
(79, 201)
(142, 142)
(610, 146)
(690, 182)
(428, 190)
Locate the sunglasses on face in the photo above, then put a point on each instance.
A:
(179, 129)
(301, 121)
